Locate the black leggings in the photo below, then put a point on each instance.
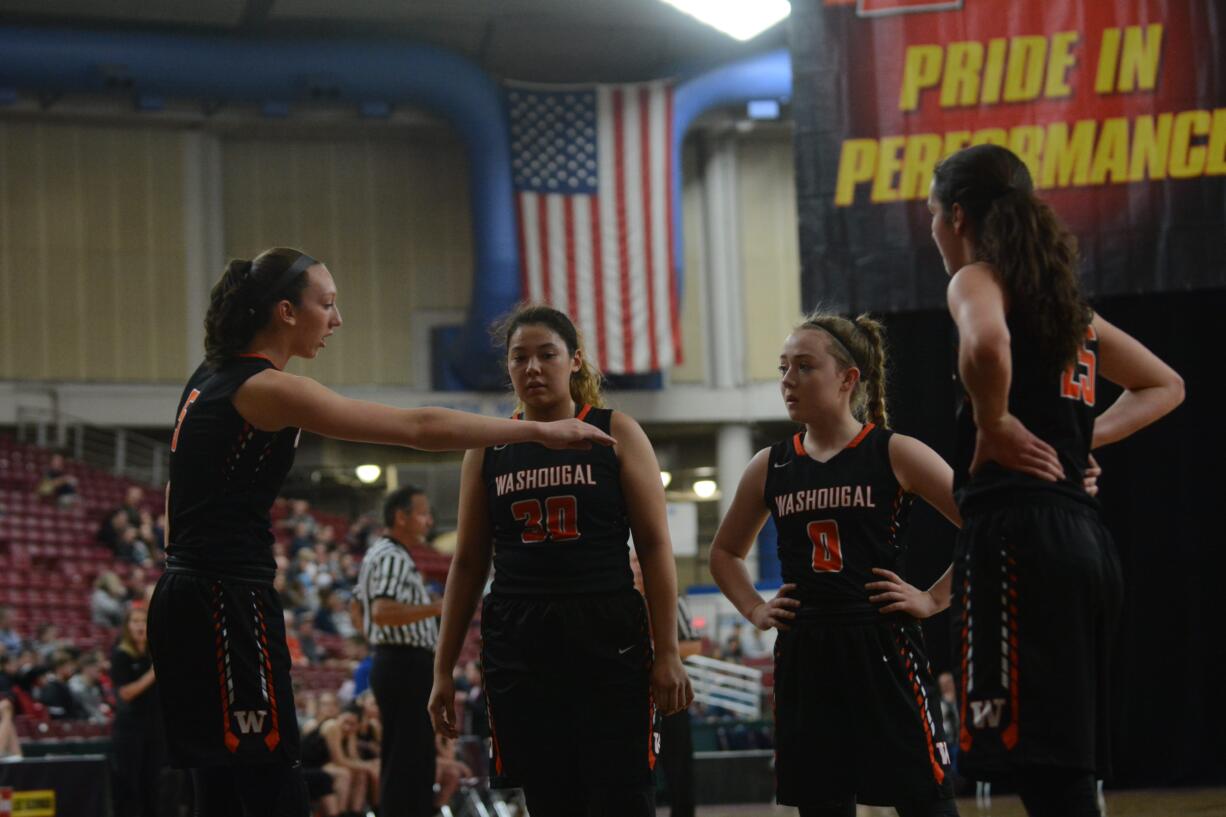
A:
(1058, 793)
(263, 790)
(847, 808)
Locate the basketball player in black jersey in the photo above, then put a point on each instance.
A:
(1034, 667)
(570, 676)
(857, 716)
(216, 631)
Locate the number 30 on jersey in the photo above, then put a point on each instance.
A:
(560, 518)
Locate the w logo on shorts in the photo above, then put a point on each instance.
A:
(986, 714)
(250, 721)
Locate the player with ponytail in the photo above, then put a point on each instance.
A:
(216, 629)
(857, 717)
(574, 665)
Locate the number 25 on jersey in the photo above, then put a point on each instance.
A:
(1077, 382)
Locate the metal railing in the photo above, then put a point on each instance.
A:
(726, 685)
(117, 450)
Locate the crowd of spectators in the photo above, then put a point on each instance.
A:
(46, 678)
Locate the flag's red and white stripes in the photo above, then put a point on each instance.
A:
(607, 259)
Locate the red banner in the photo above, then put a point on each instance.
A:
(1118, 108)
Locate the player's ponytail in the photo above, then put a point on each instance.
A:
(585, 384)
(859, 343)
(240, 304)
(1021, 237)
(874, 379)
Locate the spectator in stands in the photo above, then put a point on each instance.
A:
(121, 537)
(54, 693)
(476, 718)
(106, 603)
(137, 742)
(305, 630)
(8, 636)
(57, 484)
(341, 737)
(9, 745)
(8, 670)
(48, 641)
(304, 539)
(361, 672)
(332, 617)
(950, 715)
(296, 656)
(449, 771)
(86, 688)
(316, 756)
(131, 506)
(300, 517)
(136, 584)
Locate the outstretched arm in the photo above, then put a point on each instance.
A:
(272, 400)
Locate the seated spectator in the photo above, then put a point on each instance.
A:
(476, 716)
(340, 735)
(296, 656)
(300, 517)
(131, 506)
(332, 617)
(303, 539)
(54, 692)
(48, 642)
(106, 603)
(326, 781)
(57, 484)
(305, 630)
(8, 636)
(449, 771)
(86, 687)
(9, 745)
(121, 537)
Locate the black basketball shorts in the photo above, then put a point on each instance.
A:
(223, 672)
(567, 684)
(1037, 590)
(857, 716)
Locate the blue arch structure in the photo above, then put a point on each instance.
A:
(372, 75)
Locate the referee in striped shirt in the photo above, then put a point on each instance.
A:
(398, 618)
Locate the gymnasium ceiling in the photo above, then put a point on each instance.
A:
(532, 40)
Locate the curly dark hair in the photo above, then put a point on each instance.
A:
(240, 304)
(1019, 234)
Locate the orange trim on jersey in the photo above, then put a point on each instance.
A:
(273, 738)
(261, 357)
(863, 433)
(583, 412)
(799, 445)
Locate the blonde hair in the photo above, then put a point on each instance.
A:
(859, 343)
(585, 384)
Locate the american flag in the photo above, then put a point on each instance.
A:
(592, 169)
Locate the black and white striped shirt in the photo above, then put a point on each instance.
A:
(388, 571)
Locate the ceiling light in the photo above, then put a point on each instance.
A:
(666, 477)
(705, 488)
(368, 473)
(740, 19)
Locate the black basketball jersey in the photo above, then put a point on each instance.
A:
(837, 520)
(558, 518)
(224, 476)
(1056, 407)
